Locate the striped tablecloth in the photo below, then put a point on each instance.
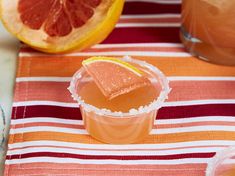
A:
(47, 137)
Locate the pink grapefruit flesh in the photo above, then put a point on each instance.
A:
(57, 17)
(113, 77)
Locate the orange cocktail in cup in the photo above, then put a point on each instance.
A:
(126, 118)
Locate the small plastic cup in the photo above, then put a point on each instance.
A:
(223, 163)
(121, 127)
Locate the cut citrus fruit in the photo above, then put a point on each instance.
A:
(60, 25)
(113, 76)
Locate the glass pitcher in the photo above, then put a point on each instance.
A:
(208, 29)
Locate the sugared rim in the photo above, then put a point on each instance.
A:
(218, 158)
(156, 104)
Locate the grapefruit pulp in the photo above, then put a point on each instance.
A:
(114, 77)
(60, 25)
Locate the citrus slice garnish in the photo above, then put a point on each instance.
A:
(60, 25)
(113, 76)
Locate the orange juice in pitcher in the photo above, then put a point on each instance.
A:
(208, 29)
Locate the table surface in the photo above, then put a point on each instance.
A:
(8, 49)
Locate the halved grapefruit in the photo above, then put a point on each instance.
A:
(113, 76)
(60, 25)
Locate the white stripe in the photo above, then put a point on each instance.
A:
(157, 122)
(166, 104)
(48, 103)
(113, 53)
(196, 119)
(123, 147)
(46, 120)
(229, 161)
(116, 153)
(201, 78)
(154, 131)
(147, 16)
(107, 161)
(158, 1)
(48, 129)
(199, 102)
(130, 45)
(46, 79)
(194, 129)
(125, 25)
(145, 45)
(170, 78)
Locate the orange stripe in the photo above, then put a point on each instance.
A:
(67, 66)
(101, 170)
(151, 139)
(55, 136)
(190, 66)
(53, 91)
(179, 125)
(157, 126)
(149, 20)
(51, 124)
(198, 90)
(181, 91)
(105, 166)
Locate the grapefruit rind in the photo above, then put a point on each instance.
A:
(114, 61)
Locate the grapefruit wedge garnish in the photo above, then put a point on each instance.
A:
(60, 25)
(114, 77)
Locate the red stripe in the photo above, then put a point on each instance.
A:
(164, 113)
(150, 8)
(103, 157)
(148, 35)
(196, 111)
(46, 111)
(144, 35)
